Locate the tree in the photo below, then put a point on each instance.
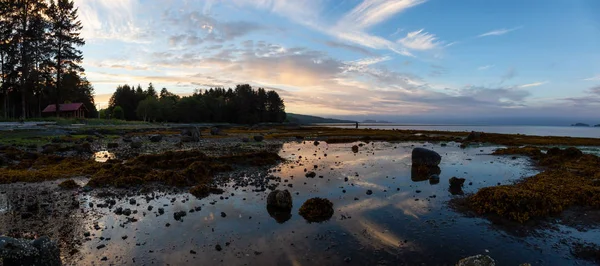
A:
(275, 107)
(117, 113)
(64, 39)
(151, 91)
(103, 114)
(148, 109)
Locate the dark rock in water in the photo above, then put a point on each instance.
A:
(456, 182)
(127, 212)
(311, 174)
(161, 211)
(355, 149)
(155, 138)
(112, 145)
(218, 247)
(369, 192)
(215, 131)
(477, 260)
(223, 214)
(422, 156)
(179, 214)
(41, 251)
(434, 179)
(259, 138)
(475, 136)
(280, 199)
(316, 210)
(420, 173)
(316, 143)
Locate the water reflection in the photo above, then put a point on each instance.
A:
(403, 221)
(420, 173)
(104, 156)
(280, 215)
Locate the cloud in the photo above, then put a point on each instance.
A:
(349, 47)
(535, 84)
(499, 32)
(594, 78)
(419, 40)
(486, 67)
(373, 12)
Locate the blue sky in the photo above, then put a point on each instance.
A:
(357, 57)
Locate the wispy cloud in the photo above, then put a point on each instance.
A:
(419, 40)
(373, 12)
(594, 78)
(535, 84)
(510, 73)
(499, 32)
(486, 67)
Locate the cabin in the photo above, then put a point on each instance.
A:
(75, 110)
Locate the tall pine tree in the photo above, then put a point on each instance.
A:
(64, 39)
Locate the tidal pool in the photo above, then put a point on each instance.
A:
(405, 221)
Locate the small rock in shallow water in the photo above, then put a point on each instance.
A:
(223, 214)
(477, 260)
(218, 247)
(369, 192)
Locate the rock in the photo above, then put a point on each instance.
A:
(477, 260)
(434, 179)
(316, 210)
(218, 247)
(311, 174)
(215, 131)
(179, 214)
(127, 212)
(223, 214)
(475, 136)
(191, 134)
(41, 251)
(112, 145)
(456, 182)
(280, 199)
(422, 156)
(155, 138)
(135, 145)
(355, 149)
(316, 143)
(259, 138)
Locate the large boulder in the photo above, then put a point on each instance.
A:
(422, 156)
(477, 260)
(280, 199)
(41, 251)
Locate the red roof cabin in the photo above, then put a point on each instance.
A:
(76, 110)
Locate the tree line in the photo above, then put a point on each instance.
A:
(242, 105)
(40, 62)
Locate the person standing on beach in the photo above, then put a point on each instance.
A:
(356, 125)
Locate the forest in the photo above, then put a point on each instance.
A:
(242, 105)
(40, 63)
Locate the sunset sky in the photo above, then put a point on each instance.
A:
(357, 57)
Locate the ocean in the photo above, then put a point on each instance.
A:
(567, 131)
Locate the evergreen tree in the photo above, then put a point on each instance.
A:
(64, 39)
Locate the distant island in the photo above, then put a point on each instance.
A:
(581, 125)
(375, 121)
(309, 119)
(598, 125)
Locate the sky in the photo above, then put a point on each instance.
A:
(357, 58)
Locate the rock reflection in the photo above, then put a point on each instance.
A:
(420, 173)
(280, 215)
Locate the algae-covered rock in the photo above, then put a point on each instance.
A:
(477, 260)
(280, 199)
(316, 210)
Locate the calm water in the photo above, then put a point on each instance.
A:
(587, 132)
(404, 221)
